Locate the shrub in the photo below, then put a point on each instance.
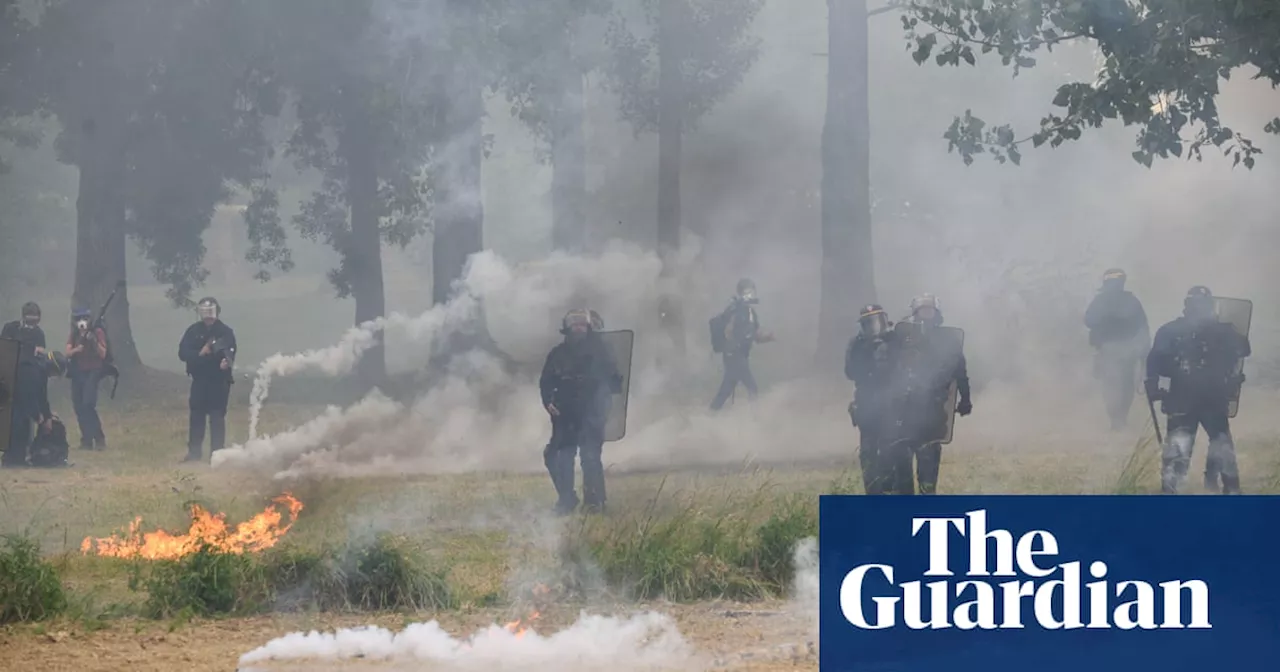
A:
(30, 588)
(695, 554)
(204, 583)
(386, 574)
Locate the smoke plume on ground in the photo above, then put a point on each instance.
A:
(648, 641)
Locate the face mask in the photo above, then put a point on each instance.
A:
(82, 325)
(207, 312)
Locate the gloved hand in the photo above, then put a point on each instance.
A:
(853, 412)
(1152, 389)
(965, 407)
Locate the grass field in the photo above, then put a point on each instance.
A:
(712, 547)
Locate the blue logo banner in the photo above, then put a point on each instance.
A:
(1049, 584)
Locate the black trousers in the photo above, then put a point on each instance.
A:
(84, 399)
(1181, 436)
(572, 436)
(20, 431)
(208, 404)
(873, 457)
(737, 369)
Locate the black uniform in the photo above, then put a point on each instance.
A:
(210, 384)
(924, 364)
(867, 364)
(579, 379)
(742, 328)
(31, 391)
(1199, 356)
(1118, 329)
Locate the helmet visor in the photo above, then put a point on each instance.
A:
(874, 324)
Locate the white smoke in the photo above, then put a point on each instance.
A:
(522, 303)
(804, 598)
(648, 641)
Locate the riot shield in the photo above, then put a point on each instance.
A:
(620, 344)
(1239, 314)
(953, 337)
(8, 387)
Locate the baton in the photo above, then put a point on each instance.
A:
(1154, 421)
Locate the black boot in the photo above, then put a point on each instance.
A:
(1230, 485)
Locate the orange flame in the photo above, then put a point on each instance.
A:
(258, 533)
(521, 626)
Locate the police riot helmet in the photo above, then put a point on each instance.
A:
(30, 313)
(208, 307)
(577, 319)
(1114, 278)
(873, 320)
(1199, 302)
(747, 290)
(926, 309)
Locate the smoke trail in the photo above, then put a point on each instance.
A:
(648, 641)
(340, 359)
(521, 303)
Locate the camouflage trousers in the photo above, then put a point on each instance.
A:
(1221, 461)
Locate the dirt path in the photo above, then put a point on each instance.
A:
(763, 637)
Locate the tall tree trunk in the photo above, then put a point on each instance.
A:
(459, 230)
(848, 272)
(569, 167)
(671, 107)
(100, 237)
(364, 248)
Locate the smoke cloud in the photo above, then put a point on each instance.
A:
(648, 641)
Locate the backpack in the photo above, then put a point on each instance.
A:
(719, 323)
(50, 449)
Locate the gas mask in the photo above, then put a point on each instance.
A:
(82, 324)
(30, 321)
(748, 295)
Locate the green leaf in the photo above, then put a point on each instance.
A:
(924, 48)
(967, 55)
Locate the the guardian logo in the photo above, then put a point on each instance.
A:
(1054, 595)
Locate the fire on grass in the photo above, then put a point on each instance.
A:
(521, 626)
(207, 529)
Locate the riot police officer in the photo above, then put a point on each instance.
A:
(741, 329)
(1119, 332)
(925, 362)
(208, 348)
(867, 364)
(577, 385)
(31, 384)
(1198, 354)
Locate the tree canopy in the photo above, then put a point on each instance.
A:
(1161, 67)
